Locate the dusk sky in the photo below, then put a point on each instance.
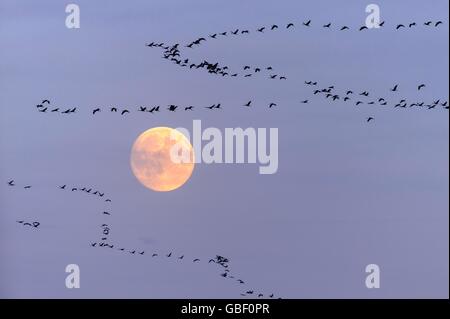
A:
(347, 193)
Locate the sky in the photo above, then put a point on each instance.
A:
(346, 193)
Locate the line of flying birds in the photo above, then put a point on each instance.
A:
(291, 25)
(329, 92)
(104, 242)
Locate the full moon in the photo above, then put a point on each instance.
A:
(152, 161)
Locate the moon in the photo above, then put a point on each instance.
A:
(153, 164)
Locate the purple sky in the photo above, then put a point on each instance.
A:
(347, 194)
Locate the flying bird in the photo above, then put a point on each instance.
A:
(307, 24)
(370, 119)
(421, 87)
(172, 108)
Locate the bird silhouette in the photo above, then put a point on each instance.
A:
(421, 86)
(307, 24)
(328, 25)
(95, 111)
(370, 119)
(172, 108)
(124, 112)
(11, 183)
(248, 104)
(394, 89)
(290, 25)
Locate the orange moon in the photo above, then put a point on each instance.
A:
(152, 161)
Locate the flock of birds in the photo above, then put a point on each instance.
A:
(291, 26)
(104, 241)
(329, 93)
(173, 52)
